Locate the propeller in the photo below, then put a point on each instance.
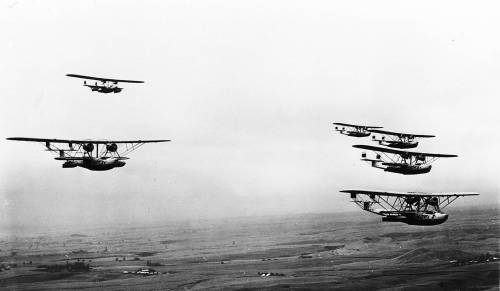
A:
(111, 147)
(88, 147)
(434, 201)
(412, 200)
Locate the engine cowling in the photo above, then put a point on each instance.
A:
(111, 147)
(88, 147)
(434, 201)
(412, 200)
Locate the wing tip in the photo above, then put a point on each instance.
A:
(362, 146)
(17, 138)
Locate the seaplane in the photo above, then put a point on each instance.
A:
(400, 161)
(398, 139)
(413, 208)
(354, 130)
(107, 85)
(86, 153)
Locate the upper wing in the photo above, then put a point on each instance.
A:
(81, 141)
(354, 125)
(102, 79)
(400, 152)
(410, 194)
(401, 134)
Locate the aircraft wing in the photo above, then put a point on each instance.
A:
(102, 79)
(83, 141)
(354, 125)
(409, 194)
(400, 152)
(400, 133)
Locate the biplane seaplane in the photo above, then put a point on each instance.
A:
(399, 161)
(86, 153)
(414, 208)
(106, 85)
(397, 139)
(354, 130)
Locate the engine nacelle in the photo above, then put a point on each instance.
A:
(88, 147)
(412, 200)
(434, 201)
(111, 147)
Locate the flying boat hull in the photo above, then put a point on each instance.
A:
(357, 133)
(418, 218)
(399, 145)
(408, 170)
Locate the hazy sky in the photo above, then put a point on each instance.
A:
(247, 91)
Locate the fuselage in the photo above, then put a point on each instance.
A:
(418, 218)
(356, 133)
(399, 144)
(105, 89)
(95, 164)
(406, 169)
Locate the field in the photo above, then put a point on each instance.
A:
(348, 251)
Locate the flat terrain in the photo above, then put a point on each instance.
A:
(351, 251)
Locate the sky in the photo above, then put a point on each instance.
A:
(247, 91)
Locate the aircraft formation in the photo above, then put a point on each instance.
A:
(414, 208)
(86, 153)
